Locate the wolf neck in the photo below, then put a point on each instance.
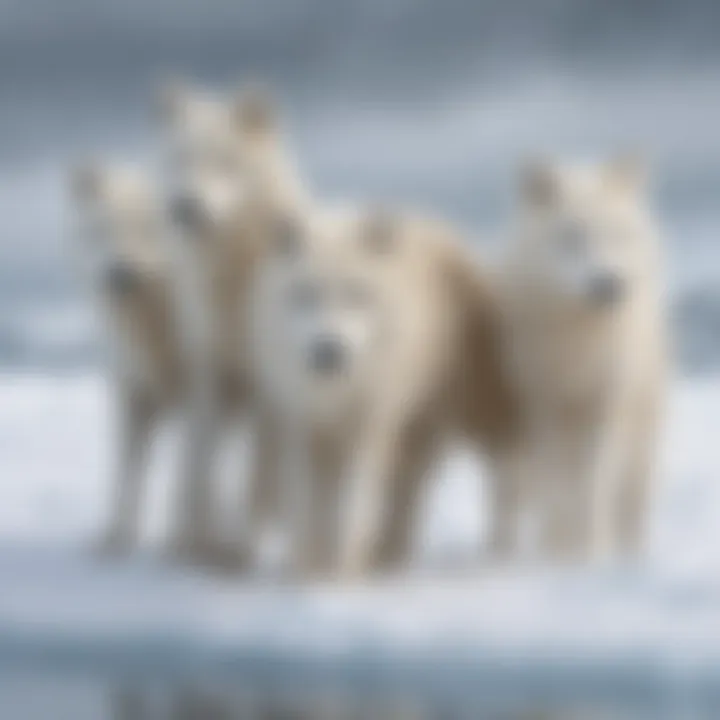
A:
(141, 339)
(571, 354)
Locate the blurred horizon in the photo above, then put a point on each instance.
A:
(430, 104)
(418, 102)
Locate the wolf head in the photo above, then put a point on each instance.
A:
(584, 236)
(220, 154)
(117, 228)
(326, 287)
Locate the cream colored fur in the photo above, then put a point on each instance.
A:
(586, 342)
(420, 328)
(118, 234)
(226, 160)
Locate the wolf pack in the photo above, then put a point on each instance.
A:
(355, 342)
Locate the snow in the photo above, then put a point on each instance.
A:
(655, 627)
(56, 453)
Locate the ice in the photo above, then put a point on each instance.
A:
(656, 626)
(56, 453)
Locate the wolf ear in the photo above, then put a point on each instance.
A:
(172, 97)
(85, 181)
(539, 184)
(626, 173)
(380, 230)
(254, 110)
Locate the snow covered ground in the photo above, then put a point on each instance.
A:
(650, 636)
(56, 451)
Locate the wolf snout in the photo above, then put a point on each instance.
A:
(187, 211)
(121, 278)
(328, 356)
(607, 288)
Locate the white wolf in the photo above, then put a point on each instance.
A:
(583, 300)
(225, 166)
(310, 326)
(118, 240)
(368, 326)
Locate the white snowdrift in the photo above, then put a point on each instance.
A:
(647, 631)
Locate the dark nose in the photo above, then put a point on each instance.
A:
(121, 278)
(607, 288)
(186, 211)
(328, 356)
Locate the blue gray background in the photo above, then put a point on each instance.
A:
(427, 102)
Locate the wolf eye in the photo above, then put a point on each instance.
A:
(100, 233)
(305, 297)
(224, 164)
(144, 226)
(380, 230)
(180, 161)
(618, 234)
(572, 239)
(356, 295)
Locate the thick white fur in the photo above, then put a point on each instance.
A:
(591, 378)
(370, 435)
(117, 223)
(228, 157)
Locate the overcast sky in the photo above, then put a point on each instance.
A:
(429, 101)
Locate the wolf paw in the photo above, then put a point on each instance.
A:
(112, 544)
(208, 553)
